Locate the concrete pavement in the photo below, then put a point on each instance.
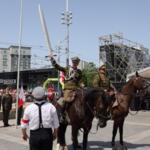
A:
(136, 135)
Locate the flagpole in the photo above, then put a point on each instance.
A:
(19, 53)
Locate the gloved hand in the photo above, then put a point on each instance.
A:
(52, 61)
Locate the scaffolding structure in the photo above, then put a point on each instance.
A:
(122, 57)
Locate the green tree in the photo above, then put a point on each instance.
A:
(88, 73)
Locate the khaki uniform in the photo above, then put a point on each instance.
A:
(101, 81)
(72, 79)
(7, 106)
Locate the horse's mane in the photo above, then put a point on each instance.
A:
(130, 80)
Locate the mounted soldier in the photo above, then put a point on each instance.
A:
(103, 82)
(72, 81)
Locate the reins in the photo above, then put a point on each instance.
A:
(146, 86)
(92, 112)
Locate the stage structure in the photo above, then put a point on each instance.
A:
(122, 57)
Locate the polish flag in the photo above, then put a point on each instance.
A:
(62, 79)
(21, 99)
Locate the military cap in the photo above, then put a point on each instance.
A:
(103, 66)
(75, 59)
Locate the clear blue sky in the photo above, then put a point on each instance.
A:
(91, 19)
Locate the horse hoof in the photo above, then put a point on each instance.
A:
(114, 148)
(79, 147)
(123, 146)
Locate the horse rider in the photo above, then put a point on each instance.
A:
(72, 81)
(41, 117)
(102, 81)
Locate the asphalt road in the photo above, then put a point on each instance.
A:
(136, 135)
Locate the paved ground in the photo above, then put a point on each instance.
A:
(136, 134)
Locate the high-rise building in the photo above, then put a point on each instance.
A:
(83, 64)
(9, 58)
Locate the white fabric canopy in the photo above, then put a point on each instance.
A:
(143, 72)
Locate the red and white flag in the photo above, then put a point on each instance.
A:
(62, 78)
(21, 99)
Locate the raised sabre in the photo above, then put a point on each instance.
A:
(45, 31)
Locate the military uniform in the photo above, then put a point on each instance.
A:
(6, 105)
(72, 76)
(101, 81)
(72, 81)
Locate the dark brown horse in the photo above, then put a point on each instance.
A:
(87, 105)
(121, 110)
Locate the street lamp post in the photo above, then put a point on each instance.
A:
(19, 53)
(67, 20)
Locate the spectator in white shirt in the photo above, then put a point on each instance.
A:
(42, 119)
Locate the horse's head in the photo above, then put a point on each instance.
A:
(101, 109)
(96, 105)
(139, 82)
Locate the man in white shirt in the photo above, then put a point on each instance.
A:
(42, 119)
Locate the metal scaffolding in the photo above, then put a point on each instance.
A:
(122, 57)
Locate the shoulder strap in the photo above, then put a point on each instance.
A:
(40, 114)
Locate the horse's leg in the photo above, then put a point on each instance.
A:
(121, 131)
(85, 139)
(74, 137)
(115, 128)
(121, 134)
(61, 134)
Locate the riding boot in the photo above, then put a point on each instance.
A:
(63, 114)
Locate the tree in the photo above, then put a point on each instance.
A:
(88, 73)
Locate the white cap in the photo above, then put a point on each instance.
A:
(38, 93)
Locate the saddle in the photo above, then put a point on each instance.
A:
(117, 101)
(69, 95)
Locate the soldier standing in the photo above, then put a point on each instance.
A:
(7, 106)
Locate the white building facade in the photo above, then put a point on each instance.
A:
(83, 64)
(9, 58)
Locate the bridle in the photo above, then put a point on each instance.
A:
(146, 86)
(140, 96)
(95, 113)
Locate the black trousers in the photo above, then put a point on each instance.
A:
(41, 139)
(6, 116)
(20, 112)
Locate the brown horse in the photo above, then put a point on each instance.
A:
(87, 105)
(124, 99)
